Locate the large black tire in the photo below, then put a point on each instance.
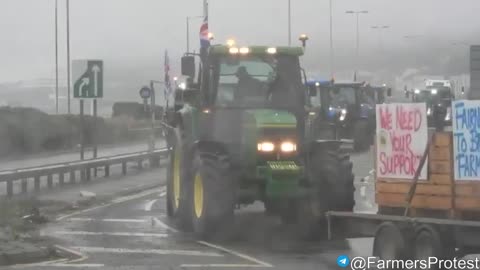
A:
(213, 196)
(393, 242)
(178, 194)
(361, 136)
(331, 179)
(332, 173)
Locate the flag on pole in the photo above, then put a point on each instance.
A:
(166, 68)
(204, 40)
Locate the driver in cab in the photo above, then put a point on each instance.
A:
(247, 86)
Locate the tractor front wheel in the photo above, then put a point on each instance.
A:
(177, 197)
(213, 201)
(332, 188)
(361, 136)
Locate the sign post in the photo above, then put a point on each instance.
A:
(88, 84)
(402, 135)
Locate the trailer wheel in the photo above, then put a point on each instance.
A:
(429, 242)
(392, 242)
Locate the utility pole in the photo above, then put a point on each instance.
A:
(56, 56)
(68, 56)
(289, 23)
(357, 50)
(205, 8)
(331, 42)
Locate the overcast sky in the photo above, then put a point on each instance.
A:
(136, 32)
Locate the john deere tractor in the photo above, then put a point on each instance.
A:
(240, 136)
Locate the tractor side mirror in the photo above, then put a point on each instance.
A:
(463, 90)
(389, 92)
(188, 66)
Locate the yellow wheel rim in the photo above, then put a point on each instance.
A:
(176, 178)
(198, 195)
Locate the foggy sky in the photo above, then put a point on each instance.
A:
(135, 33)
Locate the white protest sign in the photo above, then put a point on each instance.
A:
(402, 135)
(466, 139)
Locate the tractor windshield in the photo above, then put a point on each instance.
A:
(258, 81)
(342, 96)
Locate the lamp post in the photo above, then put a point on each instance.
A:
(188, 30)
(331, 41)
(357, 54)
(56, 56)
(68, 57)
(289, 23)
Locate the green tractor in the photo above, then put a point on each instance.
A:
(240, 136)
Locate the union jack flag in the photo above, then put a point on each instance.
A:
(204, 40)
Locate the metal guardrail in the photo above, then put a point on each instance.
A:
(85, 167)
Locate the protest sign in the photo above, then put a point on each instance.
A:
(402, 136)
(466, 139)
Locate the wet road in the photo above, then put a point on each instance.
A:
(134, 233)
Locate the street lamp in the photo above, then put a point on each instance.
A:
(188, 30)
(380, 28)
(357, 13)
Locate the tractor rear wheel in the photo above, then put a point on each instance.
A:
(331, 180)
(361, 136)
(177, 197)
(213, 200)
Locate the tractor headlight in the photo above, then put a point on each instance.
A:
(265, 147)
(434, 91)
(429, 111)
(343, 114)
(288, 147)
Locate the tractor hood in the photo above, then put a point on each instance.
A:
(267, 118)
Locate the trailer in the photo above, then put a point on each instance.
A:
(419, 219)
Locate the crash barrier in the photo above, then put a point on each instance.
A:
(85, 167)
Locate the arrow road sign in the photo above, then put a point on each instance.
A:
(88, 78)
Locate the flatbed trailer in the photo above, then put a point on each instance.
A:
(400, 237)
(438, 217)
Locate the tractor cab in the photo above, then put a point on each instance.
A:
(343, 110)
(377, 93)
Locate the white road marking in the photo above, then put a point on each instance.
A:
(85, 265)
(115, 201)
(162, 194)
(222, 266)
(110, 220)
(148, 251)
(160, 235)
(163, 225)
(149, 205)
(238, 254)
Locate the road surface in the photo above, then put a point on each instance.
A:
(134, 233)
